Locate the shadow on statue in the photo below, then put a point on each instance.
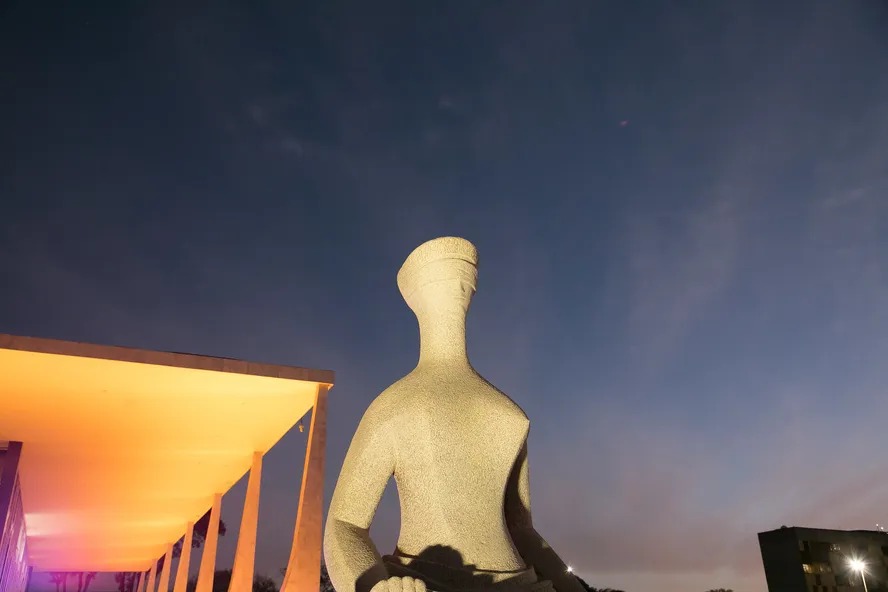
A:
(436, 566)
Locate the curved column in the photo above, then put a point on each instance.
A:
(152, 577)
(164, 583)
(184, 560)
(245, 554)
(208, 557)
(304, 565)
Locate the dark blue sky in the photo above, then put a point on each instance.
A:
(681, 210)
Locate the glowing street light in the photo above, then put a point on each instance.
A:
(860, 567)
(570, 569)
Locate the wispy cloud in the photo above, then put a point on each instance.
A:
(678, 262)
(740, 224)
(667, 499)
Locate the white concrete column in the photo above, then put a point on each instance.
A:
(152, 577)
(164, 583)
(304, 566)
(184, 560)
(208, 557)
(141, 585)
(245, 554)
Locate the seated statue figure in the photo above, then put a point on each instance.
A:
(457, 448)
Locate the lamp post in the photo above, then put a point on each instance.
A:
(860, 567)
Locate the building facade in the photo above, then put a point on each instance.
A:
(109, 456)
(820, 560)
(13, 568)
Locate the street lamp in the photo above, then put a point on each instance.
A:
(860, 567)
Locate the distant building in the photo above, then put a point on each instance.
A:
(818, 560)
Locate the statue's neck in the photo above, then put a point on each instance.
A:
(442, 339)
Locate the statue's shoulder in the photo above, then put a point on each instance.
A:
(504, 402)
(389, 402)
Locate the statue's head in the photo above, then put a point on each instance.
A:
(439, 275)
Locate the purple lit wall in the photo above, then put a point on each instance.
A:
(13, 563)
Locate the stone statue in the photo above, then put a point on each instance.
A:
(457, 448)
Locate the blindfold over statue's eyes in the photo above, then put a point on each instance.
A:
(447, 258)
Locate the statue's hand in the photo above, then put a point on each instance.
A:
(396, 584)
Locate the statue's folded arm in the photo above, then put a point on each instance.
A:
(353, 561)
(535, 551)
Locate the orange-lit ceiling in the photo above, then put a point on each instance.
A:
(122, 447)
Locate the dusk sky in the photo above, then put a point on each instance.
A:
(681, 212)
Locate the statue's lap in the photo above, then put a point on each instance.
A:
(444, 578)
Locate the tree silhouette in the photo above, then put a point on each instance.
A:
(60, 579)
(589, 588)
(264, 584)
(325, 584)
(126, 581)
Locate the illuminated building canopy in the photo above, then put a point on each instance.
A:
(123, 447)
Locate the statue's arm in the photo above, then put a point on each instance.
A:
(535, 551)
(353, 562)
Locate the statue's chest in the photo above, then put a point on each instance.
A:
(474, 440)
